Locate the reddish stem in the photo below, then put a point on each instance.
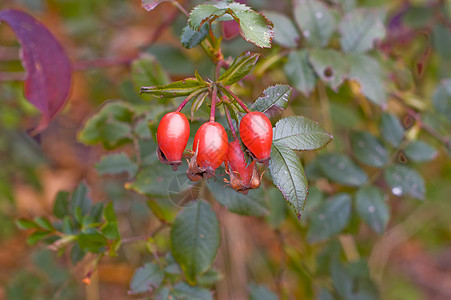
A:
(229, 120)
(214, 98)
(241, 103)
(191, 96)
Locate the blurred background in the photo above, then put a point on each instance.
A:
(411, 260)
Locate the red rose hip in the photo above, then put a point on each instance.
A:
(172, 137)
(256, 134)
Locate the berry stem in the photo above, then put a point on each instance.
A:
(191, 96)
(229, 120)
(241, 103)
(214, 98)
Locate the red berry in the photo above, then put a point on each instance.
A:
(256, 134)
(210, 143)
(243, 177)
(172, 137)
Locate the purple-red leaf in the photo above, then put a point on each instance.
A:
(48, 68)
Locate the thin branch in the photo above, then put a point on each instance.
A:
(187, 99)
(214, 99)
(144, 237)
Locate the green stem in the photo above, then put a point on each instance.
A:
(241, 103)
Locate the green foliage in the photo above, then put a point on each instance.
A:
(274, 101)
(146, 278)
(195, 239)
(260, 292)
(368, 149)
(371, 207)
(404, 180)
(240, 67)
(341, 169)
(300, 72)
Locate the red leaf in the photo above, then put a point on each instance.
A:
(48, 68)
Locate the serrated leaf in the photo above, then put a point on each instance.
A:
(240, 67)
(146, 279)
(331, 217)
(330, 65)
(316, 21)
(360, 29)
(299, 71)
(368, 73)
(146, 70)
(185, 291)
(288, 175)
(391, 129)
(285, 33)
(116, 164)
(191, 38)
(201, 13)
(442, 98)
(61, 206)
(260, 292)
(341, 169)
(404, 180)
(252, 204)
(195, 238)
(299, 133)
(420, 151)
(368, 149)
(371, 207)
(111, 126)
(175, 89)
(255, 28)
(274, 101)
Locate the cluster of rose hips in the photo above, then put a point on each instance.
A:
(211, 147)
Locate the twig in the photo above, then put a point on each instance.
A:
(144, 237)
(214, 99)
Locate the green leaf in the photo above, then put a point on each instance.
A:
(76, 254)
(346, 5)
(391, 129)
(289, 176)
(285, 33)
(197, 103)
(191, 38)
(240, 67)
(260, 292)
(147, 70)
(155, 180)
(36, 237)
(116, 164)
(185, 291)
(442, 98)
(80, 200)
(175, 89)
(316, 21)
(195, 238)
(44, 223)
(371, 207)
(352, 281)
(368, 73)
(255, 28)
(252, 204)
(331, 218)
(111, 126)
(368, 149)
(330, 65)
(209, 278)
(299, 72)
(341, 169)
(61, 206)
(92, 241)
(405, 181)
(420, 151)
(110, 229)
(204, 12)
(277, 208)
(299, 133)
(360, 29)
(146, 279)
(24, 224)
(274, 102)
